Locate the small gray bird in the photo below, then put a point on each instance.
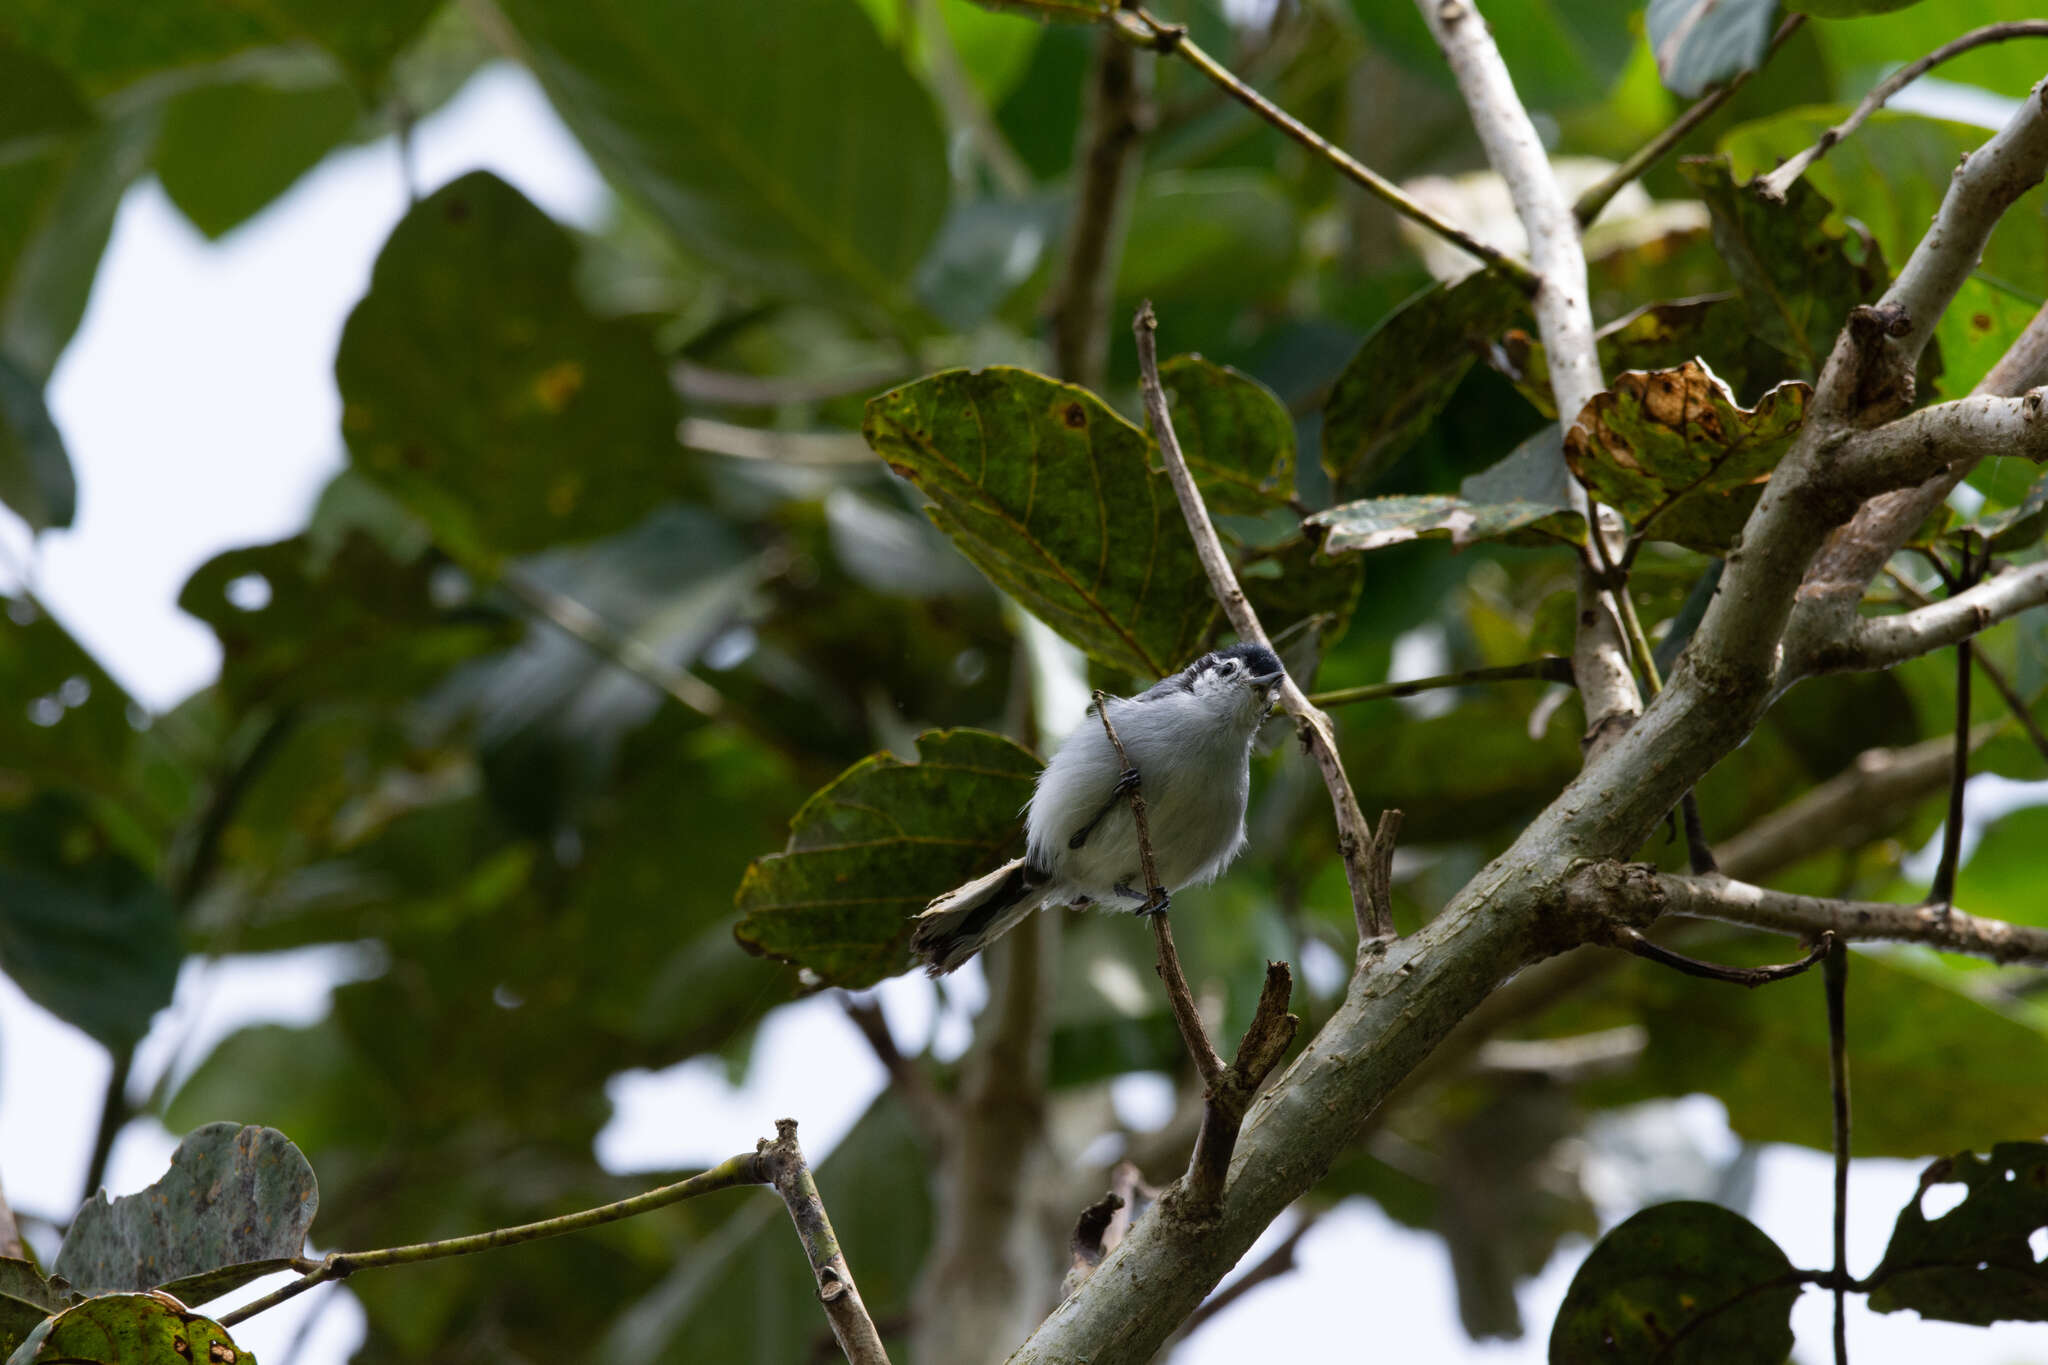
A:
(1189, 738)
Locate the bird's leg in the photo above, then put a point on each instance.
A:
(1126, 783)
(1155, 904)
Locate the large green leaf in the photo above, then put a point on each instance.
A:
(41, 102)
(228, 149)
(106, 45)
(1406, 372)
(1679, 1284)
(478, 389)
(783, 142)
(1798, 275)
(1051, 495)
(26, 1298)
(2002, 879)
(129, 1329)
(234, 1207)
(1673, 452)
(1238, 439)
(869, 849)
(297, 624)
(84, 932)
(1891, 177)
(1699, 43)
(1973, 1263)
(35, 472)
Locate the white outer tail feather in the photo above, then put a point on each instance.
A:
(938, 933)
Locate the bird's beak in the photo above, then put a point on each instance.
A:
(1268, 684)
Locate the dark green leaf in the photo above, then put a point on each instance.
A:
(129, 1329)
(1238, 438)
(1973, 1263)
(1405, 373)
(1798, 277)
(297, 624)
(86, 933)
(41, 100)
(26, 1298)
(1295, 585)
(479, 390)
(1050, 494)
(869, 849)
(35, 472)
(1673, 452)
(1565, 53)
(1699, 43)
(228, 150)
(2002, 879)
(1679, 1284)
(783, 142)
(1200, 236)
(234, 1207)
(1890, 177)
(1371, 523)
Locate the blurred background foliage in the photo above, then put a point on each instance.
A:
(644, 444)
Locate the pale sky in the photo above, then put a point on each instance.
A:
(199, 408)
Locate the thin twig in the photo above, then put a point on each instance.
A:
(1266, 1040)
(1549, 668)
(782, 1163)
(1142, 28)
(580, 623)
(1649, 949)
(1942, 891)
(115, 1111)
(1992, 673)
(1371, 897)
(1774, 185)
(1836, 974)
(1589, 204)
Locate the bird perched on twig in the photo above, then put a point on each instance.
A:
(1189, 741)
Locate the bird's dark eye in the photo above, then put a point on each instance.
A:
(1227, 666)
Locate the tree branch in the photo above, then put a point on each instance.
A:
(1549, 668)
(779, 1163)
(1929, 442)
(1774, 185)
(1141, 28)
(1629, 940)
(1564, 316)
(1589, 204)
(1275, 1263)
(1882, 641)
(1109, 164)
(1371, 896)
(1733, 902)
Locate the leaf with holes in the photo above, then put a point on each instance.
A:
(785, 143)
(872, 846)
(1714, 328)
(130, 1329)
(480, 391)
(1699, 43)
(1051, 495)
(1236, 435)
(234, 1207)
(1373, 523)
(1673, 451)
(1686, 1283)
(1798, 276)
(297, 622)
(1405, 373)
(1973, 1263)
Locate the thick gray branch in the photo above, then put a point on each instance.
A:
(1948, 929)
(1881, 641)
(1933, 440)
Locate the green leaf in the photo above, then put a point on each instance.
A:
(296, 624)
(1679, 1284)
(1227, 236)
(1973, 1263)
(35, 472)
(1051, 495)
(1673, 452)
(106, 45)
(1890, 179)
(26, 1299)
(782, 142)
(84, 932)
(228, 150)
(1372, 523)
(1798, 276)
(1236, 435)
(1700, 43)
(234, 1207)
(129, 1329)
(1566, 52)
(871, 847)
(2010, 528)
(479, 391)
(41, 100)
(1658, 336)
(1404, 374)
(2002, 879)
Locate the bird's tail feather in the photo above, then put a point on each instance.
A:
(959, 924)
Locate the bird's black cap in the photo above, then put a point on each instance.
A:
(1258, 661)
